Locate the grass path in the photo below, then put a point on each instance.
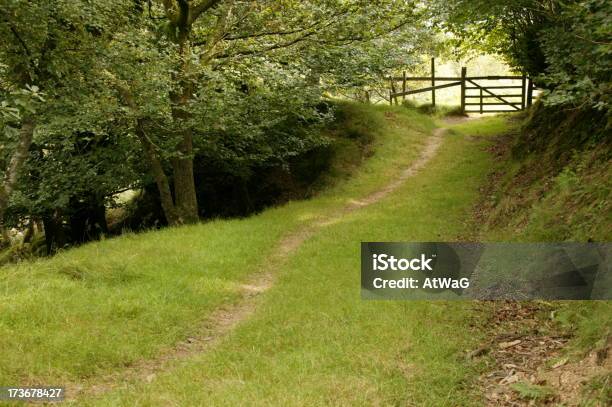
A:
(312, 341)
(99, 309)
(184, 317)
(223, 320)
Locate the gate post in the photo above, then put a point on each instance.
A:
(404, 86)
(523, 81)
(529, 92)
(481, 100)
(463, 75)
(433, 82)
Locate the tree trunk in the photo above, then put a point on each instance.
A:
(55, 235)
(12, 171)
(186, 201)
(157, 169)
(161, 179)
(182, 14)
(87, 218)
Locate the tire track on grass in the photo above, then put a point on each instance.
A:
(223, 320)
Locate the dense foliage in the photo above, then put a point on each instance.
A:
(97, 98)
(565, 45)
(101, 97)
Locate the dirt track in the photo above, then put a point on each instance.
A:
(222, 321)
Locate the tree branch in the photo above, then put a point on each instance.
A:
(271, 33)
(218, 33)
(592, 41)
(170, 10)
(349, 40)
(200, 8)
(24, 46)
(182, 20)
(151, 152)
(286, 44)
(266, 49)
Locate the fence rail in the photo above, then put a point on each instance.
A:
(466, 83)
(431, 88)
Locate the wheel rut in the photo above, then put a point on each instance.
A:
(221, 322)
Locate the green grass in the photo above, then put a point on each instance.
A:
(532, 392)
(92, 310)
(591, 322)
(573, 205)
(570, 206)
(557, 179)
(486, 126)
(313, 341)
(438, 110)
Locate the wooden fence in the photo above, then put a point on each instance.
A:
(472, 102)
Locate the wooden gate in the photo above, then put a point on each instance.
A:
(477, 92)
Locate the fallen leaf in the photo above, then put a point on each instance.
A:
(509, 379)
(506, 345)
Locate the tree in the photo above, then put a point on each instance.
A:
(564, 45)
(203, 43)
(47, 49)
(16, 110)
(507, 28)
(234, 82)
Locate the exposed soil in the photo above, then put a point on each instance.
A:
(427, 154)
(526, 363)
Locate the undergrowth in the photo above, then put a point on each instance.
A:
(553, 182)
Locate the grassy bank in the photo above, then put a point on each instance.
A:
(95, 310)
(313, 341)
(92, 310)
(555, 179)
(553, 182)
